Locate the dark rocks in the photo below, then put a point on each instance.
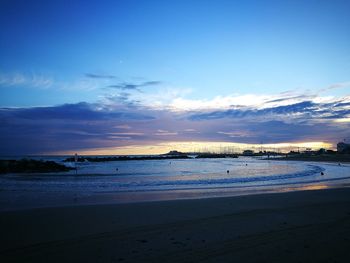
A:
(31, 166)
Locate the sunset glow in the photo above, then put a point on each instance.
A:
(218, 147)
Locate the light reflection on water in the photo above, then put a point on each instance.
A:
(305, 188)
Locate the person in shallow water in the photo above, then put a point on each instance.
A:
(228, 171)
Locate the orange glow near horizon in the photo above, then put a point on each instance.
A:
(162, 148)
(305, 188)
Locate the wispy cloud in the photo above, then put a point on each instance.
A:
(235, 134)
(190, 130)
(25, 80)
(134, 86)
(36, 80)
(151, 83)
(128, 133)
(112, 101)
(339, 85)
(165, 133)
(123, 126)
(99, 76)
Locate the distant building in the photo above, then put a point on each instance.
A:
(248, 152)
(175, 153)
(343, 147)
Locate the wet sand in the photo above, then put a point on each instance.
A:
(304, 226)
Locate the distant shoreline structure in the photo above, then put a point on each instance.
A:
(341, 155)
(172, 155)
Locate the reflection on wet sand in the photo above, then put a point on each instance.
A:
(304, 188)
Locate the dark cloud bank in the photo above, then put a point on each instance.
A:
(84, 126)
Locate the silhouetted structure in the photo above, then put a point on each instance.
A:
(343, 147)
(31, 166)
(248, 152)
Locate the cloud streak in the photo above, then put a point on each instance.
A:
(336, 86)
(99, 76)
(134, 86)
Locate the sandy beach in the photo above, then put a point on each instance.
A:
(304, 226)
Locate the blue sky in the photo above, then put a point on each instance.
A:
(177, 59)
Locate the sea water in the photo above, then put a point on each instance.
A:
(150, 180)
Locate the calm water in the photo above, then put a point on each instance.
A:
(125, 181)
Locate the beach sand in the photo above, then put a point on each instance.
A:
(304, 226)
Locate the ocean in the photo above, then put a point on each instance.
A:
(156, 180)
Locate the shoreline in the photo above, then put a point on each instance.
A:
(22, 198)
(324, 159)
(282, 227)
(29, 200)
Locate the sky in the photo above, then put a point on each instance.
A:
(104, 77)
